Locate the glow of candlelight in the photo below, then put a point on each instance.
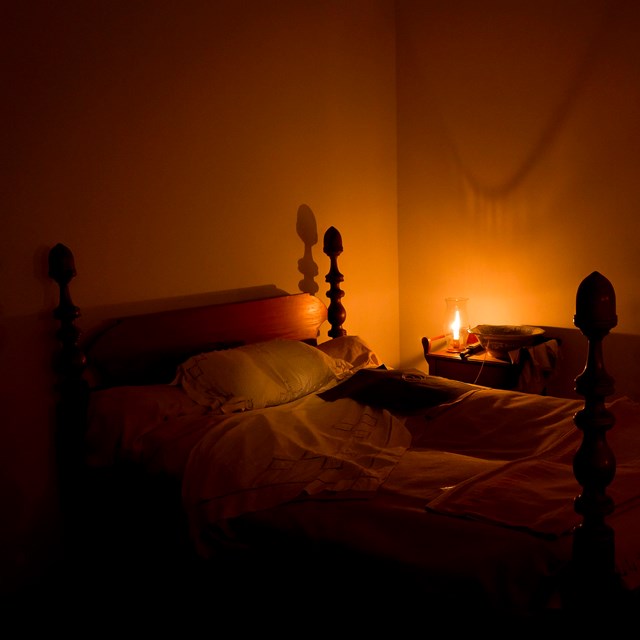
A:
(455, 329)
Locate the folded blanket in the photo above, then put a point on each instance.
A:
(532, 495)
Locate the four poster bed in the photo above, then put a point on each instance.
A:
(223, 456)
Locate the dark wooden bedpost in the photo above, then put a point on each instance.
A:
(336, 313)
(595, 584)
(71, 386)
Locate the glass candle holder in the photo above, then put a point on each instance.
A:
(456, 324)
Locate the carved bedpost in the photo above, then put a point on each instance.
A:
(336, 312)
(594, 464)
(71, 386)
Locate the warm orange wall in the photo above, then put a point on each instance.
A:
(518, 164)
(171, 146)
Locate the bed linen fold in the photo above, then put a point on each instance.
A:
(533, 494)
(257, 460)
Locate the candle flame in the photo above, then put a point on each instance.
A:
(455, 326)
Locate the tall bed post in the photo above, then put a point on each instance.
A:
(595, 582)
(72, 387)
(336, 313)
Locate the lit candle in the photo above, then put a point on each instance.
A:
(455, 330)
(455, 324)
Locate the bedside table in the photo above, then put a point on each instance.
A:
(479, 368)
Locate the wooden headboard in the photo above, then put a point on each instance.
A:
(147, 348)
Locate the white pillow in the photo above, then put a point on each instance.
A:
(258, 375)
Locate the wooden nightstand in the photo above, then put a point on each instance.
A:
(480, 368)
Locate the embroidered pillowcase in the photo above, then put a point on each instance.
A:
(258, 375)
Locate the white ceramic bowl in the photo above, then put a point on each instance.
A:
(499, 339)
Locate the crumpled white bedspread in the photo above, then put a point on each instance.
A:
(496, 457)
(258, 459)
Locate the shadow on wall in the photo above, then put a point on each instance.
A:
(307, 230)
(621, 356)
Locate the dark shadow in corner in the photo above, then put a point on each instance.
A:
(307, 230)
